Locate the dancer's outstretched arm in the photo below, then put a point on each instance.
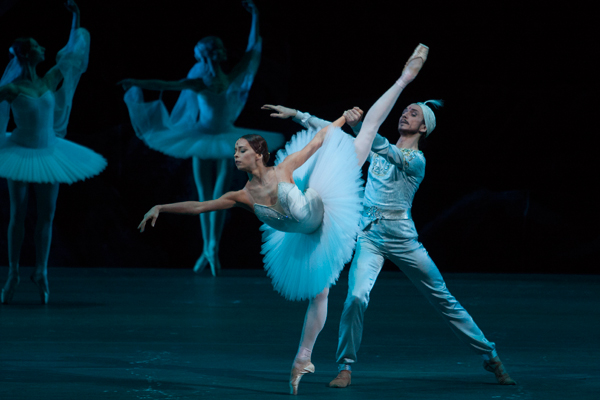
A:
(54, 75)
(382, 107)
(295, 160)
(253, 39)
(228, 200)
(305, 119)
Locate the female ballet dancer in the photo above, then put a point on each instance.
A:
(201, 124)
(310, 205)
(35, 156)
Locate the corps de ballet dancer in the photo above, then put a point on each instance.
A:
(310, 203)
(200, 125)
(35, 157)
(388, 232)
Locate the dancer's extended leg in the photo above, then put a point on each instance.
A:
(382, 107)
(315, 318)
(18, 194)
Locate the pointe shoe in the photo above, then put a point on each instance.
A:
(414, 63)
(201, 263)
(495, 365)
(41, 281)
(215, 264)
(298, 370)
(9, 289)
(342, 380)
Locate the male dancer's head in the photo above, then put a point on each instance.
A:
(418, 119)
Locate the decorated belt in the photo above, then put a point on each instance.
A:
(375, 213)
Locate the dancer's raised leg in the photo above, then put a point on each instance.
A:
(382, 107)
(315, 318)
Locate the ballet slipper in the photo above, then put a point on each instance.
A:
(9, 288)
(495, 365)
(342, 380)
(298, 370)
(41, 281)
(414, 65)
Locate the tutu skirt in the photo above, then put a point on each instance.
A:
(302, 265)
(62, 162)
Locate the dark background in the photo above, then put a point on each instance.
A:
(511, 181)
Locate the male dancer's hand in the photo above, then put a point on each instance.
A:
(353, 116)
(282, 112)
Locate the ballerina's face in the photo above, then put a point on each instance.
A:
(411, 120)
(246, 159)
(34, 55)
(210, 48)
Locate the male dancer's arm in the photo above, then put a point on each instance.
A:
(305, 119)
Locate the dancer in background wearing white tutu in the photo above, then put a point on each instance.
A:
(35, 156)
(388, 231)
(310, 202)
(201, 124)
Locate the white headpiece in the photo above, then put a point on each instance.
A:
(428, 115)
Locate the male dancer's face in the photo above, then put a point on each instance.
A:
(411, 121)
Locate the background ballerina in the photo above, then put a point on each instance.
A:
(200, 125)
(35, 155)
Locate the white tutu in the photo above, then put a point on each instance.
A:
(302, 265)
(62, 162)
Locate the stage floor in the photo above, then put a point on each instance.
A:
(171, 334)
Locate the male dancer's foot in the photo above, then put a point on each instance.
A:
(342, 380)
(495, 365)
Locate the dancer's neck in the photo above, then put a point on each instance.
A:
(29, 73)
(261, 174)
(408, 141)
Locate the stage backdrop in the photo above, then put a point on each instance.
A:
(511, 169)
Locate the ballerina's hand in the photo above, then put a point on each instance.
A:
(249, 6)
(151, 215)
(282, 112)
(126, 83)
(71, 6)
(353, 116)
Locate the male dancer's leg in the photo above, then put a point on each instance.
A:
(364, 270)
(423, 273)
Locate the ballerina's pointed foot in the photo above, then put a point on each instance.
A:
(298, 370)
(201, 263)
(215, 264)
(495, 365)
(415, 63)
(9, 288)
(41, 281)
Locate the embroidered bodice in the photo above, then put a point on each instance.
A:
(302, 212)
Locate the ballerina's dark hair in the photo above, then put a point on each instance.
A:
(20, 48)
(259, 145)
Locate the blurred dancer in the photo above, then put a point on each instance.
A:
(35, 156)
(201, 124)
